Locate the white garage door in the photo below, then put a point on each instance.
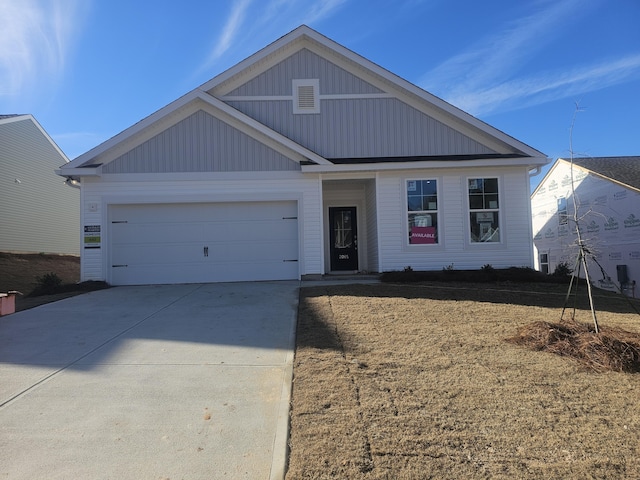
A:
(203, 242)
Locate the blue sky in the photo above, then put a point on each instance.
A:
(88, 69)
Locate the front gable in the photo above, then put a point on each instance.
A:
(200, 143)
(364, 113)
(355, 118)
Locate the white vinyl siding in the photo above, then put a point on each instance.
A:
(209, 188)
(454, 247)
(38, 213)
(372, 227)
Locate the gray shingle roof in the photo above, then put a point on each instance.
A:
(621, 169)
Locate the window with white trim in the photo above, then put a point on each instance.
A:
(306, 96)
(484, 210)
(422, 211)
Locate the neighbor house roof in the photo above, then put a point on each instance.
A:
(625, 170)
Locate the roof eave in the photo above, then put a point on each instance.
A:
(426, 164)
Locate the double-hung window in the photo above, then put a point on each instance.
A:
(562, 211)
(484, 210)
(422, 211)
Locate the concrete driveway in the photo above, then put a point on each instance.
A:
(154, 382)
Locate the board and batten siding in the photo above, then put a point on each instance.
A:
(225, 188)
(454, 246)
(363, 127)
(304, 64)
(38, 212)
(200, 143)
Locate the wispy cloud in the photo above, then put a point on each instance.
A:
(483, 79)
(35, 38)
(230, 30)
(269, 19)
(321, 9)
(526, 92)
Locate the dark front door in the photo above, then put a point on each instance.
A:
(344, 238)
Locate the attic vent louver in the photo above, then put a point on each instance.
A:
(305, 96)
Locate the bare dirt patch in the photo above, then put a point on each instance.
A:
(418, 381)
(21, 272)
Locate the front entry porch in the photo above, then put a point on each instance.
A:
(350, 226)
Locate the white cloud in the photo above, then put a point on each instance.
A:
(483, 79)
(230, 29)
(321, 9)
(269, 20)
(550, 86)
(35, 37)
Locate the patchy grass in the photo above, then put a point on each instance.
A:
(418, 381)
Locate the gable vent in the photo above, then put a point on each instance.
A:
(305, 96)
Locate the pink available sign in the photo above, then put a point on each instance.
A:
(423, 235)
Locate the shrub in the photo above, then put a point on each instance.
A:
(563, 270)
(47, 284)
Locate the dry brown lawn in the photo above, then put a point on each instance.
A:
(418, 382)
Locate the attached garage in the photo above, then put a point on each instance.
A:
(203, 242)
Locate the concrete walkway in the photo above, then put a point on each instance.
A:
(156, 382)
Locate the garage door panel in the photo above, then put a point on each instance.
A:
(196, 243)
(146, 233)
(254, 231)
(165, 253)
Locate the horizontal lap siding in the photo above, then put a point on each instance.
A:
(39, 212)
(372, 228)
(205, 191)
(455, 248)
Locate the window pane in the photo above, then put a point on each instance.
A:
(490, 185)
(475, 185)
(414, 187)
(415, 203)
(475, 202)
(430, 203)
(484, 227)
(491, 201)
(429, 187)
(423, 228)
